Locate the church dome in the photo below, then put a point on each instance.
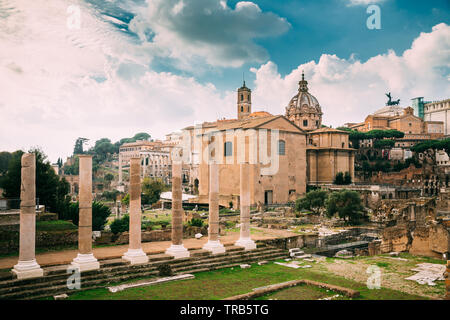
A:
(304, 109)
(303, 101)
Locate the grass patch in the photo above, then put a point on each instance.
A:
(228, 282)
(301, 292)
(383, 264)
(57, 225)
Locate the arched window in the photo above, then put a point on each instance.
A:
(281, 147)
(228, 149)
(242, 97)
(242, 109)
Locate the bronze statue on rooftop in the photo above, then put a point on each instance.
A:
(390, 102)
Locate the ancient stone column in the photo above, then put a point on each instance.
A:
(120, 169)
(244, 240)
(177, 249)
(213, 243)
(135, 254)
(85, 260)
(27, 267)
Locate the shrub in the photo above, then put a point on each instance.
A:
(196, 222)
(100, 213)
(165, 270)
(120, 225)
(339, 179)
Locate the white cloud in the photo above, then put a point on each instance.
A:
(348, 90)
(363, 2)
(189, 31)
(59, 84)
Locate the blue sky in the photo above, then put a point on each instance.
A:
(158, 66)
(334, 27)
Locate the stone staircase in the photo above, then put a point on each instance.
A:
(296, 253)
(112, 271)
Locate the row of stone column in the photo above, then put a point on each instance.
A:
(27, 267)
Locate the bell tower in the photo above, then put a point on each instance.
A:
(244, 102)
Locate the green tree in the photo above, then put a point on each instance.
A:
(120, 225)
(10, 182)
(100, 214)
(152, 189)
(339, 179)
(126, 200)
(313, 200)
(5, 157)
(346, 204)
(347, 178)
(51, 191)
(102, 149)
(141, 136)
(110, 195)
(78, 149)
(384, 143)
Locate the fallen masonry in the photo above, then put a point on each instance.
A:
(258, 292)
(427, 273)
(149, 283)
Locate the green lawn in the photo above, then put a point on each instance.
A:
(302, 292)
(228, 282)
(56, 225)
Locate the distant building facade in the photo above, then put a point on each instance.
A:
(306, 152)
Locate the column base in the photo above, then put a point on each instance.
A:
(27, 269)
(178, 251)
(215, 247)
(86, 262)
(247, 243)
(135, 256)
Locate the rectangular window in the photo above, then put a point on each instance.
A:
(305, 123)
(228, 149)
(281, 148)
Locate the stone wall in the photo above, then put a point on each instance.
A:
(286, 243)
(9, 240)
(149, 236)
(353, 234)
(396, 239)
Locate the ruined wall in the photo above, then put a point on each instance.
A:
(416, 227)
(396, 239)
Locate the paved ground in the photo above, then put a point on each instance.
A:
(66, 256)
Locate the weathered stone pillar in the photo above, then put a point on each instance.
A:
(135, 254)
(120, 168)
(244, 240)
(177, 249)
(213, 243)
(85, 260)
(27, 267)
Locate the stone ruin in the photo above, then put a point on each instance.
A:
(415, 226)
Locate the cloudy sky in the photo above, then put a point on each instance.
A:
(112, 68)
